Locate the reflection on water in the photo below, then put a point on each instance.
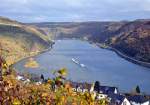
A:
(103, 65)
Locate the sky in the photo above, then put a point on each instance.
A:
(74, 10)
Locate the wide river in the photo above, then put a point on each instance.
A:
(100, 64)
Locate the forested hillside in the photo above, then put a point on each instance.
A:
(131, 38)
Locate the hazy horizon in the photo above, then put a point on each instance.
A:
(74, 10)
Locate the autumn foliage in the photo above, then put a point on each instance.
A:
(15, 92)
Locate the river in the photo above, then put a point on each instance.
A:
(100, 64)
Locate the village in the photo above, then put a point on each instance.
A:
(100, 92)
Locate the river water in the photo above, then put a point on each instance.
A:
(100, 64)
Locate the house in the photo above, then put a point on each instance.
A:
(108, 90)
(80, 87)
(27, 81)
(138, 100)
(38, 83)
(101, 96)
(118, 99)
(105, 90)
(22, 78)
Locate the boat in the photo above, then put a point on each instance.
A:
(75, 61)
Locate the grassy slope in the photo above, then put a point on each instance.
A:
(18, 40)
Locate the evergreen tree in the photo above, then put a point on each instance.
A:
(42, 77)
(97, 86)
(138, 90)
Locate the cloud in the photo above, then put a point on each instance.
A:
(74, 10)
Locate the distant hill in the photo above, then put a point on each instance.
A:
(95, 31)
(19, 39)
(131, 38)
(4, 20)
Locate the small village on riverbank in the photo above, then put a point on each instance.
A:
(100, 92)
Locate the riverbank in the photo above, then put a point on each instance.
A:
(33, 54)
(104, 46)
(145, 64)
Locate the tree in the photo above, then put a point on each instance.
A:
(97, 86)
(42, 77)
(62, 72)
(137, 89)
(60, 76)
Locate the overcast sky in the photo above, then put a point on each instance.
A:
(74, 10)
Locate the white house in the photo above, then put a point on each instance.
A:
(19, 77)
(81, 87)
(101, 96)
(26, 81)
(138, 100)
(108, 90)
(104, 91)
(117, 99)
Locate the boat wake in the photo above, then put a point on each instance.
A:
(78, 63)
